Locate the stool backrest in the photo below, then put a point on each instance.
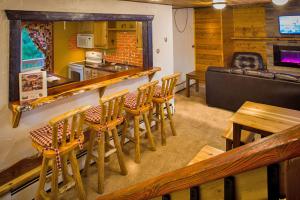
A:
(72, 123)
(112, 106)
(145, 94)
(168, 84)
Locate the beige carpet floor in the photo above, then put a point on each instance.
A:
(197, 125)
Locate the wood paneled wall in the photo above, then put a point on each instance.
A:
(213, 30)
(240, 29)
(249, 22)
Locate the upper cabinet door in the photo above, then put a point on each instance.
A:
(100, 34)
(86, 27)
(103, 38)
(139, 35)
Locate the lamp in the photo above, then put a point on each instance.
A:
(219, 4)
(280, 2)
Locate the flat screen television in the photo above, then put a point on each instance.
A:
(289, 25)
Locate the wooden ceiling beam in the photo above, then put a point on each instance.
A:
(199, 3)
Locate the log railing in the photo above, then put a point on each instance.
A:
(265, 152)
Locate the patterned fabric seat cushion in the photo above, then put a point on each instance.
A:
(43, 135)
(131, 100)
(93, 114)
(157, 92)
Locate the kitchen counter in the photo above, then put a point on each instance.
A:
(96, 71)
(111, 67)
(61, 81)
(72, 90)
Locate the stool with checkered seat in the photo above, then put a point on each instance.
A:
(138, 104)
(162, 95)
(103, 121)
(57, 142)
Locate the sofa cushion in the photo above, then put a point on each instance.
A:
(266, 74)
(247, 60)
(287, 77)
(219, 69)
(237, 71)
(262, 74)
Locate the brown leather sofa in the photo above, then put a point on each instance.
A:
(248, 80)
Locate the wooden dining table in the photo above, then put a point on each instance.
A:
(262, 119)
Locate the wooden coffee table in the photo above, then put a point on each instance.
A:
(195, 75)
(262, 119)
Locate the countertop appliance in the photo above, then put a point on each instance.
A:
(85, 41)
(93, 58)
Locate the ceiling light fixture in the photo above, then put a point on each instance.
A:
(280, 2)
(219, 4)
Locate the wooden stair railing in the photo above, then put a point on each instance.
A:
(265, 152)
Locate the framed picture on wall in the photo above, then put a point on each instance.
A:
(33, 85)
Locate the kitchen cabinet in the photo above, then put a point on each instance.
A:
(102, 38)
(105, 32)
(85, 27)
(139, 35)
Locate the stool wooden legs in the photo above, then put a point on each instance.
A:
(89, 150)
(137, 139)
(160, 112)
(100, 162)
(103, 139)
(43, 174)
(162, 125)
(170, 119)
(41, 194)
(54, 182)
(124, 132)
(77, 177)
(119, 152)
(148, 132)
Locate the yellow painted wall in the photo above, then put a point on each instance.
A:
(65, 50)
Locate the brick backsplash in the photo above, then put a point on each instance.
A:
(126, 51)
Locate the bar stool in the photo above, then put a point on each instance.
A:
(103, 121)
(162, 95)
(57, 143)
(138, 104)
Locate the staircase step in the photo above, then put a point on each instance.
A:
(205, 153)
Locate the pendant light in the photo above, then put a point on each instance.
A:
(280, 2)
(219, 4)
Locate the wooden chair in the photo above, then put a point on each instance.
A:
(103, 121)
(136, 105)
(162, 95)
(57, 143)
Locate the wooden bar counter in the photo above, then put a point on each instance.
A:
(65, 91)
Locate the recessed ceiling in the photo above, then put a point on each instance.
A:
(199, 3)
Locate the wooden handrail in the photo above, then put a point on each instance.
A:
(267, 151)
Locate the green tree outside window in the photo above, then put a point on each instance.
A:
(32, 57)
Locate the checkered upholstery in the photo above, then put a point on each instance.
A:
(93, 114)
(131, 100)
(43, 135)
(157, 92)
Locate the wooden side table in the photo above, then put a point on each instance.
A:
(195, 75)
(262, 119)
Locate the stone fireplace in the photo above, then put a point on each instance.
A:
(286, 56)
